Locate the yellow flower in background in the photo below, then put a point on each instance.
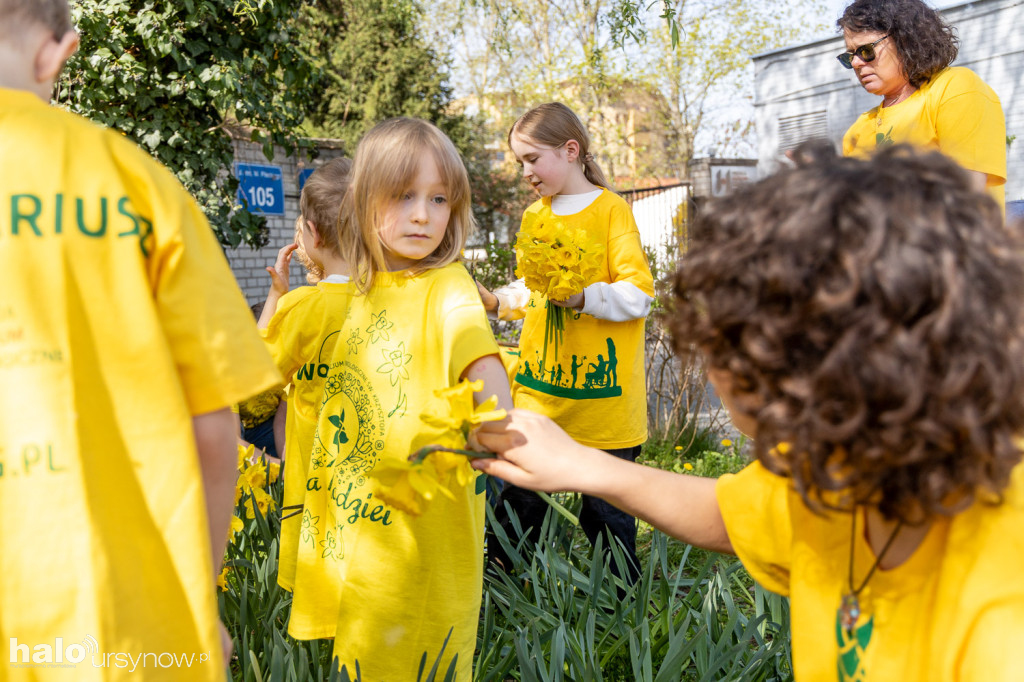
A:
(245, 455)
(236, 525)
(679, 448)
(255, 475)
(222, 579)
(273, 471)
(263, 501)
(726, 443)
(782, 448)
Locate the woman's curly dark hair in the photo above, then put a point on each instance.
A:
(925, 43)
(869, 315)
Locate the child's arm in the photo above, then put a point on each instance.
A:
(280, 419)
(216, 435)
(507, 302)
(535, 453)
(490, 369)
(279, 275)
(615, 301)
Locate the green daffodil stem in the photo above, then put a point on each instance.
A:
(559, 508)
(420, 454)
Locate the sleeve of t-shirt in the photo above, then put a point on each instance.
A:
(627, 261)
(466, 333)
(971, 128)
(988, 654)
(283, 335)
(755, 507)
(209, 328)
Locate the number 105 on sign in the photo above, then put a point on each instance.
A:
(261, 187)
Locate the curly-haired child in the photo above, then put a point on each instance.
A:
(862, 321)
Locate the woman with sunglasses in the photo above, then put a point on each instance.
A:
(901, 50)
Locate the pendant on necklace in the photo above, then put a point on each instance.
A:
(849, 612)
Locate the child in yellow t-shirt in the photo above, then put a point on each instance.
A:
(298, 328)
(118, 367)
(861, 320)
(592, 384)
(414, 325)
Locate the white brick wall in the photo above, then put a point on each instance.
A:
(249, 264)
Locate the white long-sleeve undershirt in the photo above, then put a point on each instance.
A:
(615, 301)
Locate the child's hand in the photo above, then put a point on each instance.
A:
(575, 302)
(490, 301)
(280, 272)
(535, 453)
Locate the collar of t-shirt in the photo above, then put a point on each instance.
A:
(336, 279)
(568, 204)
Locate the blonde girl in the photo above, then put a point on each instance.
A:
(414, 324)
(593, 387)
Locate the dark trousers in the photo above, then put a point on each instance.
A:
(596, 517)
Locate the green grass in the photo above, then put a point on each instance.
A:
(557, 614)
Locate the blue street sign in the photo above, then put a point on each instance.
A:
(262, 187)
(304, 175)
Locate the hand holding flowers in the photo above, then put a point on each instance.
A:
(444, 464)
(557, 261)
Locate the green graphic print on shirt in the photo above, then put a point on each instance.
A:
(852, 645)
(582, 379)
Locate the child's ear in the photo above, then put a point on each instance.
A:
(572, 150)
(315, 233)
(52, 54)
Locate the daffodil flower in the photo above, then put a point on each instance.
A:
(405, 485)
(222, 579)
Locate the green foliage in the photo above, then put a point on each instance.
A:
(557, 615)
(376, 65)
(697, 453)
(170, 75)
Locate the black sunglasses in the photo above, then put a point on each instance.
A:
(865, 52)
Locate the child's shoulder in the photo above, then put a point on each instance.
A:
(298, 303)
(85, 149)
(610, 201)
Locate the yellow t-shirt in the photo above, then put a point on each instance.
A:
(120, 320)
(952, 612)
(404, 580)
(955, 113)
(303, 336)
(594, 386)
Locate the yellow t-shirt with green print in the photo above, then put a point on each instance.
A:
(955, 113)
(405, 581)
(120, 320)
(953, 612)
(302, 336)
(594, 386)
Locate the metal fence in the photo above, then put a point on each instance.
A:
(660, 213)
